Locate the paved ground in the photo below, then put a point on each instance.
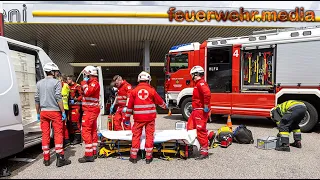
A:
(236, 161)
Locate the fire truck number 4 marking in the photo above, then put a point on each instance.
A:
(236, 53)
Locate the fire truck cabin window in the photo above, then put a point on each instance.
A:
(177, 62)
(257, 68)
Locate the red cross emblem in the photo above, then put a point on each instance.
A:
(143, 94)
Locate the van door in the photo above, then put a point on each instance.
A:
(219, 78)
(11, 129)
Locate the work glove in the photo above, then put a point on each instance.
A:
(71, 101)
(64, 116)
(127, 122)
(86, 79)
(38, 117)
(124, 109)
(206, 109)
(99, 135)
(111, 109)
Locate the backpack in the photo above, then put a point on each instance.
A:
(242, 135)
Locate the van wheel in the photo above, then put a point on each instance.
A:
(310, 120)
(186, 108)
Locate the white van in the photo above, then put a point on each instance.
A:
(21, 68)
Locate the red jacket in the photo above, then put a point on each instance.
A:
(123, 93)
(91, 95)
(201, 94)
(75, 94)
(142, 102)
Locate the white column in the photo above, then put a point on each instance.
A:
(146, 56)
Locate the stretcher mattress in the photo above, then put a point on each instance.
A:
(160, 136)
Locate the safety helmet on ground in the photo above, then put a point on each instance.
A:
(196, 69)
(50, 67)
(144, 76)
(90, 70)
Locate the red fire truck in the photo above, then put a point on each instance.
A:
(250, 75)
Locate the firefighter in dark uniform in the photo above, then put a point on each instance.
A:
(288, 116)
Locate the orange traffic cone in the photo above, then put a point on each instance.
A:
(169, 113)
(229, 123)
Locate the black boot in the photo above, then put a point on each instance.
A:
(61, 161)
(66, 143)
(134, 161)
(283, 147)
(296, 144)
(85, 159)
(77, 139)
(201, 157)
(148, 161)
(46, 162)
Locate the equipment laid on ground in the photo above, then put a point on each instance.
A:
(269, 142)
(224, 136)
(243, 135)
(177, 142)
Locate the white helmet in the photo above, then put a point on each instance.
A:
(197, 69)
(144, 76)
(90, 70)
(50, 67)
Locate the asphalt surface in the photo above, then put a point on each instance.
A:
(241, 161)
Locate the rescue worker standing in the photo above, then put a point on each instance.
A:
(91, 110)
(200, 111)
(124, 90)
(288, 116)
(74, 106)
(65, 99)
(49, 107)
(142, 102)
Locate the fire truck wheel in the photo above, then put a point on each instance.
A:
(186, 108)
(310, 119)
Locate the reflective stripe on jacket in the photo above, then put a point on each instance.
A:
(76, 94)
(142, 103)
(91, 95)
(287, 105)
(123, 93)
(201, 94)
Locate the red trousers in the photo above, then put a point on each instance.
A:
(118, 119)
(55, 118)
(198, 120)
(74, 115)
(136, 135)
(65, 128)
(89, 132)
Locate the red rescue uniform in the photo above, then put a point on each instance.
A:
(74, 109)
(142, 103)
(124, 91)
(198, 118)
(91, 110)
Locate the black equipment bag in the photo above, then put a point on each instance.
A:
(242, 135)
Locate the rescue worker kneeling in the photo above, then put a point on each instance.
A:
(200, 111)
(288, 116)
(142, 102)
